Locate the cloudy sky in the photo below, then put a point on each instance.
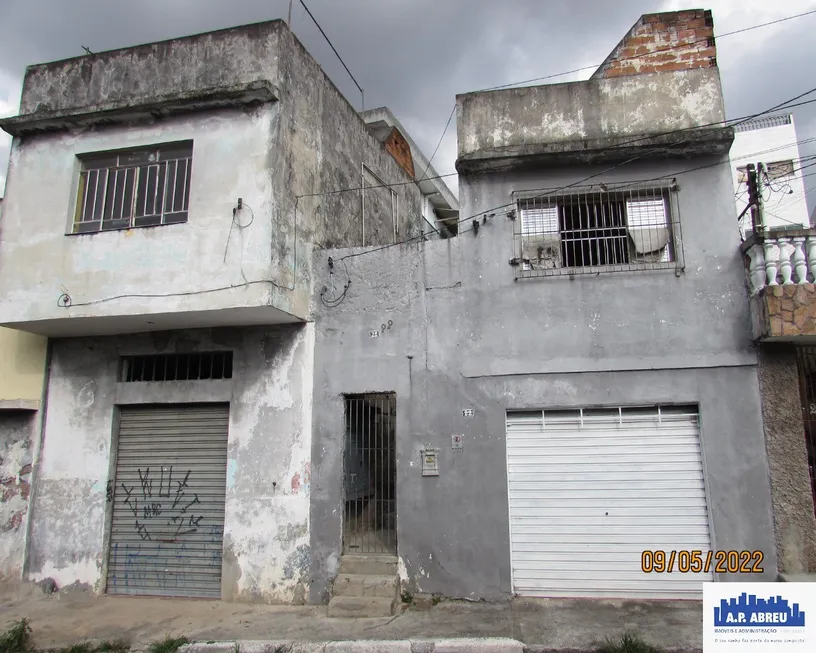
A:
(414, 56)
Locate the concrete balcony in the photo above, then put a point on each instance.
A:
(781, 268)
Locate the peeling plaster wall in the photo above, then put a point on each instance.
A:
(326, 143)
(592, 109)
(266, 531)
(230, 150)
(17, 434)
(465, 335)
(131, 75)
(310, 142)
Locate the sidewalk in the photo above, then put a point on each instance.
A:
(541, 624)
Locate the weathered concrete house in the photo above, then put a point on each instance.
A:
(571, 381)
(163, 203)
(299, 396)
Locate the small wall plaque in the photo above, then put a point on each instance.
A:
(456, 442)
(467, 412)
(430, 461)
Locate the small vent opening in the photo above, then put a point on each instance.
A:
(199, 366)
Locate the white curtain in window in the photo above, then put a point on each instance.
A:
(648, 224)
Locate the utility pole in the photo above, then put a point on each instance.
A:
(755, 198)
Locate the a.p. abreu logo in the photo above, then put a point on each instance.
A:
(748, 610)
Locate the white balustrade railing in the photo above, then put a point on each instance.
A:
(782, 262)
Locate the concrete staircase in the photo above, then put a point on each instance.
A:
(367, 586)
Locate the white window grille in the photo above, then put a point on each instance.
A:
(143, 187)
(597, 229)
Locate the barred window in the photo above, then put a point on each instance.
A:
(599, 230)
(142, 187)
(199, 366)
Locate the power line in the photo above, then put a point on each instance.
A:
(804, 141)
(727, 122)
(325, 36)
(583, 68)
(552, 191)
(656, 51)
(66, 301)
(436, 149)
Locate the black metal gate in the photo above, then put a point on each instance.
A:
(369, 471)
(807, 379)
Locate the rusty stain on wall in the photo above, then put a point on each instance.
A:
(398, 147)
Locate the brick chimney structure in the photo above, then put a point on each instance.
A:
(677, 40)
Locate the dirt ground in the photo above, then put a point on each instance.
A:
(67, 618)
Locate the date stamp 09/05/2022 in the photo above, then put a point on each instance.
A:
(696, 561)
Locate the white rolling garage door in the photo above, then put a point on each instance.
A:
(590, 490)
(167, 527)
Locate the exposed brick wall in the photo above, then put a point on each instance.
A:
(678, 40)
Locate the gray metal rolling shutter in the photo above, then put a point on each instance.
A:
(168, 502)
(590, 490)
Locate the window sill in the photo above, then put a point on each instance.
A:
(598, 270)
(20, 404)
(128, 228)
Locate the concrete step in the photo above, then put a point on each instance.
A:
(369, 565)
(366, 585)
(362, 606)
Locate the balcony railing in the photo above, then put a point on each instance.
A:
(781, 269)
(781, 259)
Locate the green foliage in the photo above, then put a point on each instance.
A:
(16, 638)
(168, 645)
(629, 642)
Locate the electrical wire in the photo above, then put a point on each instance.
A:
(436, 149)
(656, 51)
(66, 301)
(568, 72)
(489, 213)
(331, 45)
(728, 122)
(234, 223)
(336, 301)
(582, 68)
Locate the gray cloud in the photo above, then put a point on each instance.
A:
(416, 55)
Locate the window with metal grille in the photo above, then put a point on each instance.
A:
(596, 229)
(199, 366)
(134, 188)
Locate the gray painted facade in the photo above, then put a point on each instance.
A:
(467, 334)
